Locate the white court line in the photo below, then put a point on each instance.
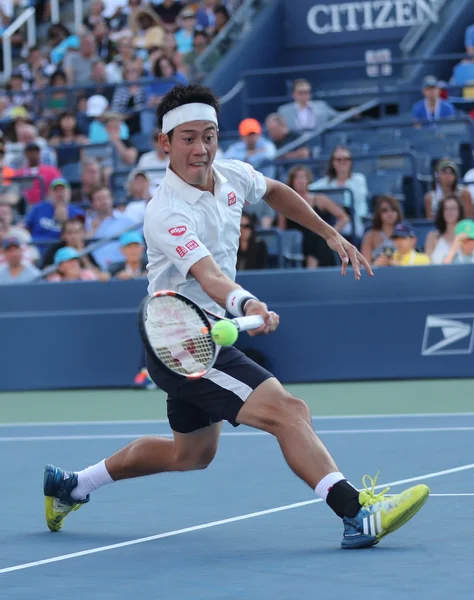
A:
(261, 513)
(132, 436)
(158, 421)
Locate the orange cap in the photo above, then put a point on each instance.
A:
(248, 126)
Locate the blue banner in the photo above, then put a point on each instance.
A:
(412, 322)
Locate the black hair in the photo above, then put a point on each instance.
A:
(440, 221)
(157, 71)
(186, 94)
(331, 171)
(58, 74)
(63, 115)
(222, 10)
(252, 242)
(201, 33)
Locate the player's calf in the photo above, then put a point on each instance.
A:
(194, 461)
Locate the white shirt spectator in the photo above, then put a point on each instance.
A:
(357, 183)
(154, 166)
(111, 6)
(305, 117)
(184, 224)
(135, 210)
(469, 182)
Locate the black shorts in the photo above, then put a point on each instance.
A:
(217, 396)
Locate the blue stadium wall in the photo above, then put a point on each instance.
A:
(291, 33)
(403, 323)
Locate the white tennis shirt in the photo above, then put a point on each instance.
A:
(183, 224)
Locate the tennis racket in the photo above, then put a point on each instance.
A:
(178, 332)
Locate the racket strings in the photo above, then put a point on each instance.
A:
(179, 335)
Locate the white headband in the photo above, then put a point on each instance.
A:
(187, 113)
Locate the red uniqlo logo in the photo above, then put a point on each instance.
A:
(192, 245)
(181, 250)
(231, 198)
(177, 231)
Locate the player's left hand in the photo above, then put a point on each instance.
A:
(348, 253)
(272, 320)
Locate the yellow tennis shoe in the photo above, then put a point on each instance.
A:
(380, 515)
(57, 487)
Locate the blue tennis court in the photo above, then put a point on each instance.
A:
(245, 527)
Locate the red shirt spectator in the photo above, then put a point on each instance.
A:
(34, 168)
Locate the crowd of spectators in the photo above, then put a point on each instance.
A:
(81, 114)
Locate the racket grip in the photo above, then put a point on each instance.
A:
(246, 323)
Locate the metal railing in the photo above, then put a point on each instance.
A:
(282, 256)
(76, 92)
(416, 32)
(78, 13)
(88, 249)
(337, 120)
(55, 11)
(396, 126)
(28, 17)
(377, 86)
(231, 31)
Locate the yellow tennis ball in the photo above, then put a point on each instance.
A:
(224, 333)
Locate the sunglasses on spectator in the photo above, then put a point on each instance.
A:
(342, 158)
(303, 92)
(245, 226)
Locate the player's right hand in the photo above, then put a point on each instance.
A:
(272, 320)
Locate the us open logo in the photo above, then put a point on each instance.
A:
(177, 231)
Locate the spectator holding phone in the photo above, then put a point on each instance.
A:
(405, 255)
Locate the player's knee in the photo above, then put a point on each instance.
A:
(286, 411)
(295, 411)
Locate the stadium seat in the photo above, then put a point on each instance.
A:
(293, 247)
(142, 142)
(72, 172)
(118, 179)
(285, 247)
(422, 227)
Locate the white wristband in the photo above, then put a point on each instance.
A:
(236, 300)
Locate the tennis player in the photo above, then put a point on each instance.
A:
(192, 234)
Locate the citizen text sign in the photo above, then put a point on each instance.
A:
(369, 15)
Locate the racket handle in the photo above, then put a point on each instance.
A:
(246, 323)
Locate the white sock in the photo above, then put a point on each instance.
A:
(91, 479)
(326, 483)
